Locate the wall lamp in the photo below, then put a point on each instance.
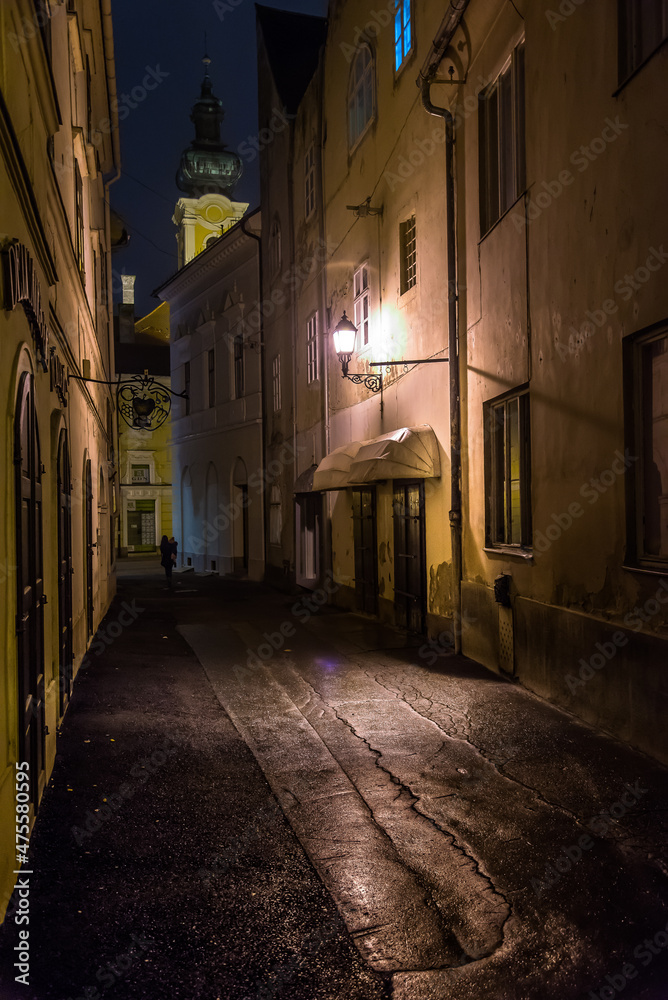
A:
(344, 334)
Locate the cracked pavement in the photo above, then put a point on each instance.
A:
(463, 839)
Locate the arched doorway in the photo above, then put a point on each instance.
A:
(30, 586)
(89, 545)
(240, 525)
(64, 488)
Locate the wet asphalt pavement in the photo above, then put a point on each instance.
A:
(330, 819)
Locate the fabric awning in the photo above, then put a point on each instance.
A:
(407, 453)
(334, 470)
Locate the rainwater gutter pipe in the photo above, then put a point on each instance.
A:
(449, 25)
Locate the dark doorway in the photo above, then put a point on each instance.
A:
(30, 586)
(244, 505)
(64, 571)
(366, 561)
(90, 545)
(409, 556)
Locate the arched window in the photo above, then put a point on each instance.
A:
(275, 246)
(360, 94)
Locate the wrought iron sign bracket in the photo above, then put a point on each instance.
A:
(142, 401)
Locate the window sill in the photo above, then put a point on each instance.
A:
(502, 217)
(526, 555)
(647, 570)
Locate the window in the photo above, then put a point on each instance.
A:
(312, 348)
(275, 246)
(403, 35)
(360, 96)
(239, 366)
(79, 242)
(407, 246)
(501, 142)
(89, 104)
(141, 474)
(361, 289)
(309, 180)
(643, 25)
(186, 387)
(275, 516)
(645, 460)
(212, 377)
(276, 382)
(508, 471)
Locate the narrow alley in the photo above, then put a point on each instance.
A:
(258, 796)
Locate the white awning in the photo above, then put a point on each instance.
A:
(407, 453)
(334, 470)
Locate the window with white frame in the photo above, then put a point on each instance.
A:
(646, 468)
(309, 180)
(403, 32)
(643, 26)
(276, 382)
(508, 470)
(502, 168)
(408, 254)
(275, 246)
(360, 94)
(312, 348)
(362, 305)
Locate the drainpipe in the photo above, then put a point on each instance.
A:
(263, 400)
(439, 46)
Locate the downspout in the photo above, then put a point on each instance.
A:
(443, 38)
(263, 399)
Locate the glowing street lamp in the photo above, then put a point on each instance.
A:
(344, 334)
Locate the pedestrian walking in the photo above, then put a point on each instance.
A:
(168, 557)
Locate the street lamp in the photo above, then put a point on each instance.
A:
(344, 334)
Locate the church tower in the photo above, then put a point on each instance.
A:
(208, 173)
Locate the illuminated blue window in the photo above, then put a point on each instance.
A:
(403, 33)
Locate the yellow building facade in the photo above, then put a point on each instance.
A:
(144, 452)
(58, 155)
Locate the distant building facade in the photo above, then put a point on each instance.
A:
(504, 217)
(216, 359)
(144, 446)
(58, 156)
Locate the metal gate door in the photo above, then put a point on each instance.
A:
(409, 556)
(30, 593)
(366, 563)
(64, 571)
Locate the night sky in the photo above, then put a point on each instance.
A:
(167, 36)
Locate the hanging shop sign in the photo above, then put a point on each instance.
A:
(21, 284)
(58, 375)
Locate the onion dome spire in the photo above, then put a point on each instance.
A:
(207, 166)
